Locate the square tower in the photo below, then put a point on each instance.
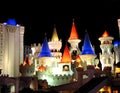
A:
(11, 47)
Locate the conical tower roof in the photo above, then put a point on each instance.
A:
(66, 55)
(54, 35)
(87, 47)
(106, 38)
(73, 34)
(27, 61)
(45, 51)
(105, 34)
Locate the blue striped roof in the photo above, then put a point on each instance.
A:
(87, 47)
(45, 51)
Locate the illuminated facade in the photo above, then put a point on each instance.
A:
(11, 47)
(47, 66)
(60, 68)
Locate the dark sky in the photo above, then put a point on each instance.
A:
(40, 17)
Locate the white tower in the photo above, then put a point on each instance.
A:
(55, 45)
(107, 57)
(11, 47)
(74, 41)
(117, 46)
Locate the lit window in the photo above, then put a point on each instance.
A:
(66, 68)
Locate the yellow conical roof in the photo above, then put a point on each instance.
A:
(105, 34)
(54, 35)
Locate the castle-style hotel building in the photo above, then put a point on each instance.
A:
(45, 67)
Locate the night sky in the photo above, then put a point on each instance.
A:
(39, 18)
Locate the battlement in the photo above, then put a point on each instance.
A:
(55, 80)
(35, 45)
(27, 70)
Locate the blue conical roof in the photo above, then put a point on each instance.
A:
(87, 47)
(45, 51)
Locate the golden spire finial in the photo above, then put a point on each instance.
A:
(45, 34)
(54, 25)
(54, 35)
(73, 20)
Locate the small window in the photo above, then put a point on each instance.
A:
(65, 68)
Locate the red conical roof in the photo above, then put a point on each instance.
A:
(74, 34)
(27, 61)
(66, 55)
(105, 34)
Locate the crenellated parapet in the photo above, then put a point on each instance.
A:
(55, 80)
(36, 48)
(27, 70)
(10, 28)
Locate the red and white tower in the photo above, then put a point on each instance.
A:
(74, 41)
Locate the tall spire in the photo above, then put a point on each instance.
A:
(45, 51)
(66, 55)
(74, 34)
(54, 35)
(87, 47)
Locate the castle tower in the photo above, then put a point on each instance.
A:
(66, 58)
(45, 59)
(46, 63)
(106, 57)
(45, 54)
(27, 68)
(11, 46)
(65, 64)
(55, 45)
(74, 42)
(117, 46)
(87, 54)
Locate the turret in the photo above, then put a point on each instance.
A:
(55, 45)
(45, 55)
(65, 63)
(74, 42)
(107, 56)
(27, 68)
(45, 61)
(87, 54)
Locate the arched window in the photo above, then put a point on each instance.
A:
(65, 68)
